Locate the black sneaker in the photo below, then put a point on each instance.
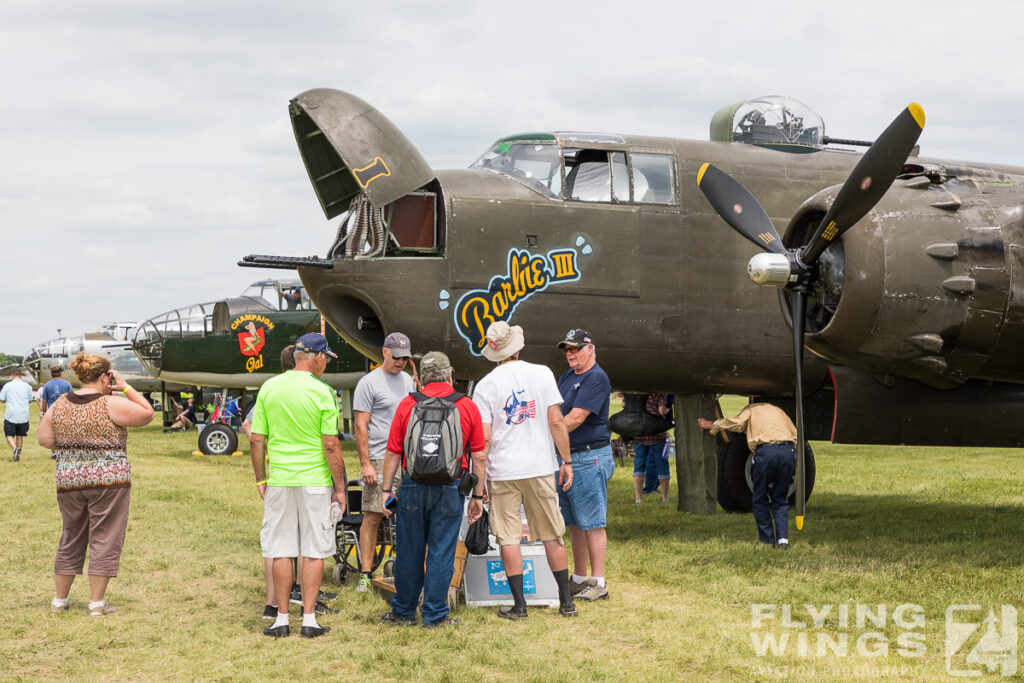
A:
(296, 597)
(324, 595)
(17, 454)
(568, 610)
(321, 608)
(512, 613)
(270, 612)
(447, 621)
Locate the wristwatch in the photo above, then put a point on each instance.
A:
(476, 497)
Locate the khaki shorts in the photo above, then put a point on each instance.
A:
(540, 498)
(372, 494)
(297, 522)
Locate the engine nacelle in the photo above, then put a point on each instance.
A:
(928, 285)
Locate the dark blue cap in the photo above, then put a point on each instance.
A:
(314, 342)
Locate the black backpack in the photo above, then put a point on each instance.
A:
(433, 440)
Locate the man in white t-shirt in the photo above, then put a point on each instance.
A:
(376, 397)
(523, 425)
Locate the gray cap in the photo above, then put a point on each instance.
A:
(399, 345)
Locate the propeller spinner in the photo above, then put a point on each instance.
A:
(794, 269)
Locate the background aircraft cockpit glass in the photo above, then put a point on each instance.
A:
(777, 120)
(654, 178)
(279, 295)
(534, 164)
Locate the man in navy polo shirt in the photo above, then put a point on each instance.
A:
(585, 392)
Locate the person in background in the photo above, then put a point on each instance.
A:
(650, 468)
(87, 431)
(186, 418)
(17, 397)
(54, 389)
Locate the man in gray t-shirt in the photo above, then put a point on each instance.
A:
(373, 406)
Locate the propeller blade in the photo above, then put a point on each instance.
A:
(870, 179)
(738, 208)
(799, 309)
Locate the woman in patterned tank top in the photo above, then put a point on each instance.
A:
(87, 432)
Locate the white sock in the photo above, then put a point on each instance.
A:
(578, 579)
(599, 579)
(282, 620)
(94, 605)
(61, 602)
(783, 541)
(309, 619)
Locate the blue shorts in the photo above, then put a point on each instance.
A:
(649, 456)
(585, 505)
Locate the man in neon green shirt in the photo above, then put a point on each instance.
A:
(300, 414)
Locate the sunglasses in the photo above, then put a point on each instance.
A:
(573, 349)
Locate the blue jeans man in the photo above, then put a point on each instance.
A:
(773, 466)
(428, 516)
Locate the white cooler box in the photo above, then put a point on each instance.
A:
(485, 585)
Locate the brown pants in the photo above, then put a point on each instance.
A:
(96, 519)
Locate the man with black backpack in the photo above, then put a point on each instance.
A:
(430, 436)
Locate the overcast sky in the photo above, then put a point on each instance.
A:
(146, 146)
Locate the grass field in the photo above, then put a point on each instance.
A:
(887, 527)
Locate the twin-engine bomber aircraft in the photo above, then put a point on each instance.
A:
(913, 289)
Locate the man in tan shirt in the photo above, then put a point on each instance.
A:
(771, 436)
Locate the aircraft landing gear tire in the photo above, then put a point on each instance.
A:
(735, 483)
(218, 439)
(734, 495)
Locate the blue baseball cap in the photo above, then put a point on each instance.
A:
(314, 342)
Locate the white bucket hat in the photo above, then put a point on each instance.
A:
(503, 341)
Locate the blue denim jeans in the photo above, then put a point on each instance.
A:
(585, 504)
(428, 516)
(647, 461)
(774, 465)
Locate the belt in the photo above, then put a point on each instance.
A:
(590, 446)
(779, 443)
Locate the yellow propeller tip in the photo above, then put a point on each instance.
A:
(799, 522)
(700, 173)
(917, 111)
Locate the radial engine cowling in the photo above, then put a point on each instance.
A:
(928, 285)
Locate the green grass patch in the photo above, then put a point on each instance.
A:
(886, 526)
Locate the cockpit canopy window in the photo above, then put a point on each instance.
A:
(535, 164)
(596, 175)
(585, 174)
(654, 178)
(279, 295)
